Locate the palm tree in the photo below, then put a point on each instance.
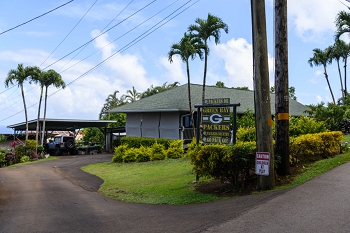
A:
(112, 101)
(19, 76)
(204, 29)
(50, 78)
(322, 58)
(132, 95)
(342, 22)
(336, 54)
(345, 54)
(37, 77)
(187, 48)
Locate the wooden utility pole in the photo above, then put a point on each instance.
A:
(281, 87)
(262, 90)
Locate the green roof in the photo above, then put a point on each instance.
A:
(176, 99)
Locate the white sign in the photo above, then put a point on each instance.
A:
(262, 163)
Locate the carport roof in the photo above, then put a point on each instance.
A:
(62, 124)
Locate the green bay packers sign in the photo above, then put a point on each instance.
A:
(216, 122)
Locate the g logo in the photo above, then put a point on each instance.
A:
(215, 118)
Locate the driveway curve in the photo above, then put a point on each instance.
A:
(57, 196)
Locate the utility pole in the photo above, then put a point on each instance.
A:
(262, 100)
(281, 87)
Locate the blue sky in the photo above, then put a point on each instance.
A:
(310, 25)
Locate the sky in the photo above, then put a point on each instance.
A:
(132, 51)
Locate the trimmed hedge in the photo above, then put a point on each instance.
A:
(230, 163)
(313, 147)
(133, 149)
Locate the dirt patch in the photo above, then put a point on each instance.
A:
(224, 189)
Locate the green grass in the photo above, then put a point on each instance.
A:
(170, 181)
(346, 138)
(158, 182)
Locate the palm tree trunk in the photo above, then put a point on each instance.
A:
(43, 133)
(189, 97)
(329, 85)
(345, 86)
(25, 111)
(205, 70)
(341, 82)
(37, 120)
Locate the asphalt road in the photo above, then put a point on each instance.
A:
(57, 196)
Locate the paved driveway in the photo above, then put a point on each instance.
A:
(56, 196)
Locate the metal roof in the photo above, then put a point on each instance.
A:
(176, 99)
(62, 124)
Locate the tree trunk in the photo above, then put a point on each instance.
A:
(25, 111)
(329, 85)
(345, 86)
(43, 133)
(341, 83)
(189, 97)
(262, 90)
(205, 70)
(281, 87)
(37, 120)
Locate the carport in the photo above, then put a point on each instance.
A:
(52, 125)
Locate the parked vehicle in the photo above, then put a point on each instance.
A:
(61, 144)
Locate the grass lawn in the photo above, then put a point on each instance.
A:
(157, 182)
(171, 181)
(346, 138)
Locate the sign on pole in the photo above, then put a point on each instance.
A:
(216, 121)
(262, 163)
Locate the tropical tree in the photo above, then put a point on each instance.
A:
(50, 78)
(342, 23)
(19, 76)
(337, 52)
(132, 95)
(155, 90)
(322, 58)
(345, 54)
(188, 47)
(220, 84)
(204, 29)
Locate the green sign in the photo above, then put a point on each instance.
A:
(216, 122)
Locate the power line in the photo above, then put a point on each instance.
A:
(100, 34)
(121, 36)
(35, 18)
(127, 46)
(69, 33)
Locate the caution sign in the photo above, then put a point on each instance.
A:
(262, 163)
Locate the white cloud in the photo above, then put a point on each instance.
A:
(238, 59)
(311, 19)
(174, 71)
(127, 68)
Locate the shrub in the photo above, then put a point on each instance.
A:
(175, 149)
(246, 134)
(305, 125)
(20, 152)
(2, 157)
(158, 152)
(313, 147)
(31, 144)
(24, 159)
(232, 163)
(3, 138)
(136, 142)
(118, 153)
(143, 154)
(130, 155)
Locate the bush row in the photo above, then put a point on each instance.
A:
(313, 147)
(229, 163)
(148, 150)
